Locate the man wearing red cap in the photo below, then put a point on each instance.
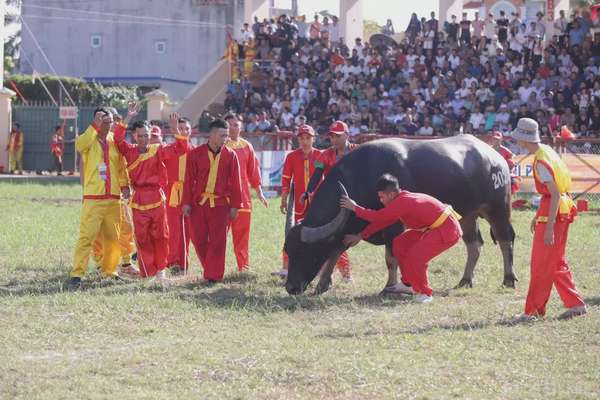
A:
(250, 178)
(340, 146)
(508, 155)
(212, 194)
(432, 227)
(179, 225)
(147, 173)
(298, 167)
(550, 228)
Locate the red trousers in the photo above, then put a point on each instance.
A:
(549, 267)
(179, 237)
(240, 232)
(414, 249)
(209, 237)
(152, 239)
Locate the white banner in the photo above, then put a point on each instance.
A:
(271, 167)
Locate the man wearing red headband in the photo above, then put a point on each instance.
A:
(340, 146)
(298, 167)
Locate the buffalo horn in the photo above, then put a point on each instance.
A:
(318, 233)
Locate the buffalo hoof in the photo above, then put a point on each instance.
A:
(509, 281)
(466, 283)
(322, 287)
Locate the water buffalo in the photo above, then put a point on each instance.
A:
(461, 171)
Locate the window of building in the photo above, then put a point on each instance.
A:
(160, 46)
(96, 41)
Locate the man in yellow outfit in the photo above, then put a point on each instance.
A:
(104, 177)
(15, 149)
(126, 242)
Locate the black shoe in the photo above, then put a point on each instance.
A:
(74, 283)
(177, 270)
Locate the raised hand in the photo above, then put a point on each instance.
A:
(133, 109)
(174, 123)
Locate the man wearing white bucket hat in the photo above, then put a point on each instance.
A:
(550, 227)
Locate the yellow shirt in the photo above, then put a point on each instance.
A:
(104, 172)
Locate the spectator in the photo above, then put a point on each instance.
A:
(388, 28)
(465, 30)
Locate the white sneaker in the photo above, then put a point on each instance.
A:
(522, 319)
(160, 277)
(399, 288)
(423, 298)
(282, 273)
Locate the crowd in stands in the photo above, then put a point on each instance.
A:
(442, 78)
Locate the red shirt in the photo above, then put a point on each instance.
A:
(413, 210)
(249, 169)
(298, 168)
(176, 176)
(147, 171)
(57, 146)
(212, 179)
(330, 157)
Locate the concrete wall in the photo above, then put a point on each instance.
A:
(351, 21)
(128, 49)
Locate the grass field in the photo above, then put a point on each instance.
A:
(246, 338)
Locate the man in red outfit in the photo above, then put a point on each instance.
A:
(179, 225)
(550, 228)
(340, 146)
(508, 155)
(431, 228)
(298, 167)
(147, 174)
(212, 195)
(250, 177)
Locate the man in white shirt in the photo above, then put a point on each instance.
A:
(489, 27)
(454, 59)
(525, 91)
(477, 119)
(426, 129)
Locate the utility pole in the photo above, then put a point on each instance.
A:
(5, 95)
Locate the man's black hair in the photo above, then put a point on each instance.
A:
(387, 183)
(57, 127)
(229, 116)
(140, 124)
(105, 110)
(183, 120)
(218, 123)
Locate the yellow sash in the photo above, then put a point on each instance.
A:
(209, 190)
(177, 188)
(152, 150)
(448, 211)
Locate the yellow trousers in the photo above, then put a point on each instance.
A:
(126, 243)
(98, 217)
(15, 160)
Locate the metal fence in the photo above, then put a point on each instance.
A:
(38, 122)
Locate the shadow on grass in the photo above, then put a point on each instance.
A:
(592, 301)
(54, 285)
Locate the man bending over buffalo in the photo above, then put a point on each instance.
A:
(431, 228)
